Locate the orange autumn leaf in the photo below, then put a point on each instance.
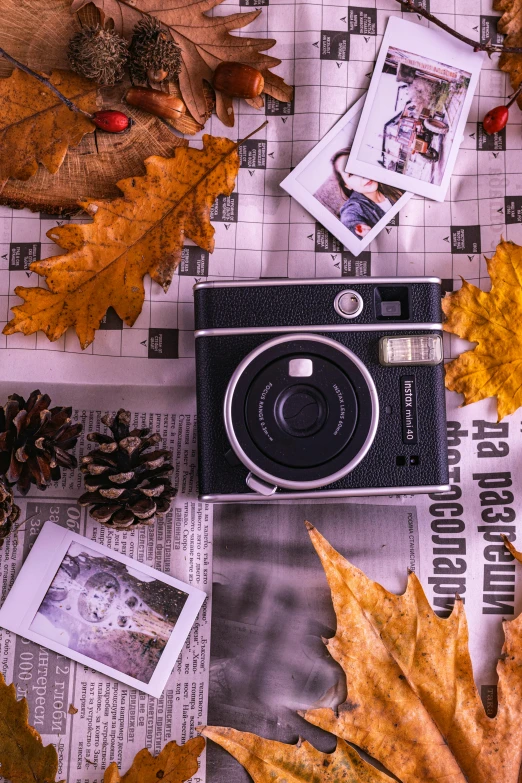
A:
(174, 764)
(204, 41)
(36, 127)
(23, 757)
(267, 761)
(141, 232)
(411, 704)
(494, 321)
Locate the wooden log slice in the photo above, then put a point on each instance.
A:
(37, 32)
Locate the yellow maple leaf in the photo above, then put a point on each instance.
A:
(23, 757)
(36, 127)
(412, 702)
(174, 764)
(140, 232)
(491, 319)
(273, 762)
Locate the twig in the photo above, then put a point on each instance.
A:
(488, 47)
(70, 105)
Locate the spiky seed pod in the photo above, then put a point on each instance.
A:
(99, 54)
(9, 511)
(154, 56)
(35, 441)
(128, 485)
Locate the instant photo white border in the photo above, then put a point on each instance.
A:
(35, 577)
(320, 212)
(435, 45)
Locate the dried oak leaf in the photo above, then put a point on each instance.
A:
(140, 232)
(35, 127)
(204, 41)
(510, 24)
(267, 761)
(23, 758)
(412, 702)
(494, 321)
(175, 764)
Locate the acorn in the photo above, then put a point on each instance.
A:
(157, 75)
(238, 80)
(112, 121)
(154, 55)
(161, 104)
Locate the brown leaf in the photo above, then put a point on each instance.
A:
(267, 761)
(494, 321)
(510, 24)
(23, 758)
(204, 41)
(175, 764)
(140, 232)
(516, 554)
(412, 702)
(35, 127)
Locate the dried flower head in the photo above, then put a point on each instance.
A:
(154, 54)
(99, 54)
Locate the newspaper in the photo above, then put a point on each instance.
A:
(327, 49)
(271, 604)
(91, 718)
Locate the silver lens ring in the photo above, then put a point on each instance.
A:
(276, 480)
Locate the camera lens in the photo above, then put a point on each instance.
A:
(301, 410)
(304, 424)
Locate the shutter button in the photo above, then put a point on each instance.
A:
(348, 304)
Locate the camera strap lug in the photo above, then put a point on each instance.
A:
(260, 486)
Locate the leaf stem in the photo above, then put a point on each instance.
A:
(514, 96)
(70, 105)
(253, 133)
(488, 47)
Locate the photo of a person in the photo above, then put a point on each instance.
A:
(353, 209)
(367, 201)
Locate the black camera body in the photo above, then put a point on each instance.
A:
(320, 388)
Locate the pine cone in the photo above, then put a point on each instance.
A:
(127, 484)
(9, 511)
(154, 56)
(98, 54)
(35, 441)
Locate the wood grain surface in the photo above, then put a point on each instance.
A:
(37, 32)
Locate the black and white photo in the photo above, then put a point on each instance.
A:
(101, 608)
(116, 615)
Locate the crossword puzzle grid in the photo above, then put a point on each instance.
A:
(328, 53)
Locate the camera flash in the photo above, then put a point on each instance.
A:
(417, 349)
(300, 368)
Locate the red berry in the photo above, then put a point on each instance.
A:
(496, 119)
(112, 121)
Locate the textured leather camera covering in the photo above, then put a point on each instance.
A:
(218, 357)
(286, 305)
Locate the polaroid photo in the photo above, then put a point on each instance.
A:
(102, 609)
(417, 105)
(353, 208)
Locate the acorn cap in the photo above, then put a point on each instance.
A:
(98, 54)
